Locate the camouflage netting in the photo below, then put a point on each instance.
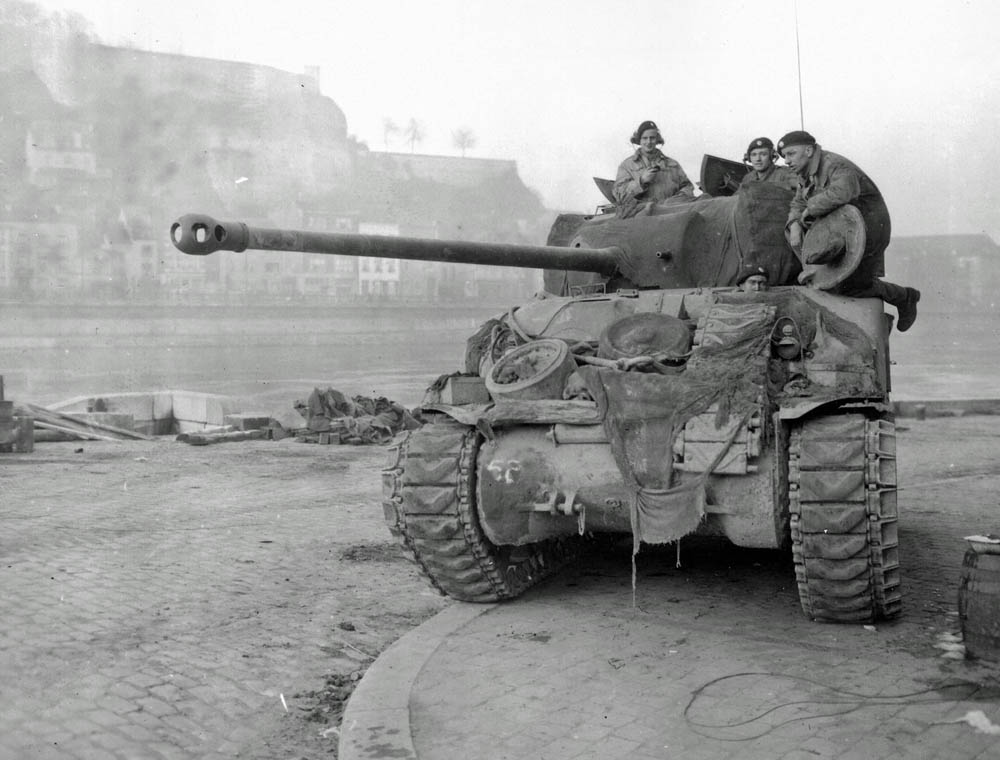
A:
(730, 372)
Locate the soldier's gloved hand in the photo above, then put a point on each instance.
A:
(646, 176)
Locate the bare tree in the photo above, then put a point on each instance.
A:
(389, 127)
(414, 133)
(464, 139)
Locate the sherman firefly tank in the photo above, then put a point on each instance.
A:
(657, 390)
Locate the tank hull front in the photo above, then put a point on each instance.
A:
(538, 482)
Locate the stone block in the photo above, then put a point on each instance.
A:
(248, 421)
(151, 412)
(290, 419)
(206, 408)
(114, 419)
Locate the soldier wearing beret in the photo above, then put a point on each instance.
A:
(827, 181)
(761, 157)
(649, 175)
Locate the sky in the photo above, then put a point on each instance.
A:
(906, 90)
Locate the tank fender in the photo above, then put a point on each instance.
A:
(809, 406)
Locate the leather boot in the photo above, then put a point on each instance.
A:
(908, 310)
(903, 298)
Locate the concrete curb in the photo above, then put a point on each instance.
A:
(376, 721)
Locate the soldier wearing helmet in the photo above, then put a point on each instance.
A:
(827, 181)
(649, 175)
(761, 157)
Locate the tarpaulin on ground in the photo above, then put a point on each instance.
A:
(366, 420)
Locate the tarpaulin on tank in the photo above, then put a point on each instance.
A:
(643, 412)
(761, 213)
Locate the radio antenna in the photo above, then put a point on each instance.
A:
(798, 66)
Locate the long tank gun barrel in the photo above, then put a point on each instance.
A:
(199, 235)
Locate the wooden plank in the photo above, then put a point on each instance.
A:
(198, 439)
(84, 435)
(58, 418)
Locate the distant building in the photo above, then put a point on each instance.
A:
(378, 277)
(56, 150)
(40, 257)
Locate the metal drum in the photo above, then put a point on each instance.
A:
(979, 598)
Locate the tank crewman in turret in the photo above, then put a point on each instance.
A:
(827, 181)
(761, 157)
(649, 175)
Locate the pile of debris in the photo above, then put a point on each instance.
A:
(325, 417)
(332, 417)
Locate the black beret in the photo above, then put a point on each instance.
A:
(798, 137)
(760, 142)
(750, 270)
(642, 128)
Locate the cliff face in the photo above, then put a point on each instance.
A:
(173, 132)
(116, 143)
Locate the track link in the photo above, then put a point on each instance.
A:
(842, 505)
(429, 492)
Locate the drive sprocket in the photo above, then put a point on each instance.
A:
(429, 491)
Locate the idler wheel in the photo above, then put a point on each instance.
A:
(535, 370)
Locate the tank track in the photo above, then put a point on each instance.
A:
(843, 517)
(429, 501)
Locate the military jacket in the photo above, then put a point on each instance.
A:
(779, 175)
(831, 181)
(669, 182)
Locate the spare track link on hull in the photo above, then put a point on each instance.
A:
(429, 491)
(842, 505)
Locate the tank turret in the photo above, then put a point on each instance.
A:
(674, 380)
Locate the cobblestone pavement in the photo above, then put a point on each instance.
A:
(715, 660)
(168, 601)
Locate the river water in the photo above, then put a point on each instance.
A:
(53, 352)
